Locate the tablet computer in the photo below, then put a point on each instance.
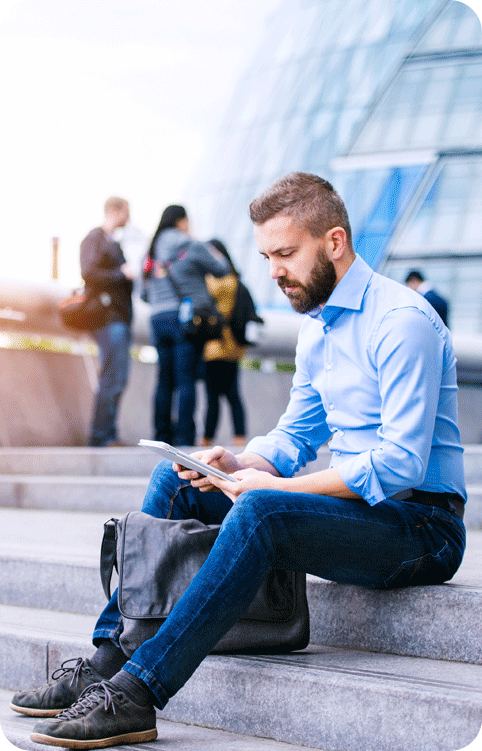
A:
(185, 460)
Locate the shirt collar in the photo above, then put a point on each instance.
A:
(348, 293)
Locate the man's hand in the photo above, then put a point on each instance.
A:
(217, 456)
(249, 479)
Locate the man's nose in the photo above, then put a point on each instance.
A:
(276, 268)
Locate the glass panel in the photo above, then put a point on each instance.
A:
(472, 230)
(393, 134)
(310, 62)
(448, 221)
(448, 95)
(425, 130)
(462, 128)
(445, 232)
(460, 282)
(439, 88)
(415, 238)
(458, 28)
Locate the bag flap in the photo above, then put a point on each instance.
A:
(158, 559)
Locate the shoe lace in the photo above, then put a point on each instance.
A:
(90, 698)
(76, 670)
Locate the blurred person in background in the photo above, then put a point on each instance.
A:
(105, 272)
(415, 280)
(222, 355)
(175, 268)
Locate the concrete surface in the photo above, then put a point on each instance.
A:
(172, 736)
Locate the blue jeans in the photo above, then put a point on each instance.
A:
(392, 544)
(113, 341)
(178, 364)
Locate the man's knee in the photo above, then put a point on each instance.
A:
(164, 477)
(253, 506)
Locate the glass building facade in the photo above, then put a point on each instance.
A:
(382, 98)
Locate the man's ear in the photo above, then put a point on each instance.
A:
(337, 242)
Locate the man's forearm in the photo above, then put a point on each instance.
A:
(325, 482)
(247, 460)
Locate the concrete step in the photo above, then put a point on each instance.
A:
(120, 462)
(182, 737)
(74, 493)
(102, 492)
(473, 464)
(101, 479)
(133, 461)
(90, 462)
(59, 551)
(331, 698)
(473, 510)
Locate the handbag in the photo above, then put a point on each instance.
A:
(157, 559)
(200, 323)
(85, 311)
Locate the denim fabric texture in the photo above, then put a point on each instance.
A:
(391, 544)
(113, 341)
(178, 369)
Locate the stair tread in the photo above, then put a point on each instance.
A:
(180, 736)
(73, 535)
(75, 479)
(330, 698)
(419, 673)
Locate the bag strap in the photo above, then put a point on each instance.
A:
(175, 286)
(108, 555)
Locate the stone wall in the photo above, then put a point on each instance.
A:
(46, 400)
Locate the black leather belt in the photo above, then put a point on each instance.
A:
(451, 502)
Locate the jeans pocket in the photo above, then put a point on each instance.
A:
(432, 568)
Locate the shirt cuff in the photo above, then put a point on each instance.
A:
(358, 475)
(284, 456)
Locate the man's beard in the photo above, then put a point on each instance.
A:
(319, 287)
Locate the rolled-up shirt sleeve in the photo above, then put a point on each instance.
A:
(407, 352)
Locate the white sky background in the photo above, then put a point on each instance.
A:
(109, 97)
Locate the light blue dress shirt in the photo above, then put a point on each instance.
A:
(375, 370)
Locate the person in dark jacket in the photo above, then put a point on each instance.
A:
(415, 280)
(175, 269)
(222, 355)
(107, 274)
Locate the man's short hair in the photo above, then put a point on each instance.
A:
(114, 203)
(310, 200)
(414, 276)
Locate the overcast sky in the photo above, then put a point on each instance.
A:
(103, 97)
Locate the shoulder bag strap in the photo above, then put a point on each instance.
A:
(108, 555)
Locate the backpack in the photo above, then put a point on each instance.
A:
(244, 311)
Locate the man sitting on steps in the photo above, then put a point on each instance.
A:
(375, 372)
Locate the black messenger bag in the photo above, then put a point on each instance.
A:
(157, 559)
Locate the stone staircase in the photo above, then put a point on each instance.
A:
(385, 671)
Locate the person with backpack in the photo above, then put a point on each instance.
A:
(222, 356)
(174, 272)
